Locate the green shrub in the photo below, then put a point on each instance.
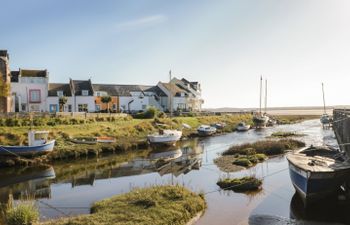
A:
(242, 162)
(150, 113)
(39, 122)
(24, 213)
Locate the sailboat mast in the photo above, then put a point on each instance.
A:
(265, 96)
(324, 101)
(260, 94)
(171, 96)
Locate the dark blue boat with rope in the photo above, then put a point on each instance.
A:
(38, 145)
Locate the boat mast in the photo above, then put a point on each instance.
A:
(324, 101)
(171, 96)
(265, 96)
(260, 94)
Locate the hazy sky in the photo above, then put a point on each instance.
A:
(224, 44)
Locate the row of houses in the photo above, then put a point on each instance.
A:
(31, 91)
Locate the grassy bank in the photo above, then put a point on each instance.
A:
(130, 133)
(154, 205)
(239, 157)
(282, 134)
(292, 119)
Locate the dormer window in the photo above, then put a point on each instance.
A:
(84, 92)
(60, 93)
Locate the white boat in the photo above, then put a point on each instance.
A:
(166, 155)
(317, 173)
(242, 127)
(325, 118)
(206, 130)
(260, 119)
(165, 137)
(38, 144)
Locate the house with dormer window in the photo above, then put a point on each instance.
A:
(83, 95)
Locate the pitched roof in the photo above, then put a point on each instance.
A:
(79, 85)
(174, 89)
(54, 87)
(33, 73)
(124, 90)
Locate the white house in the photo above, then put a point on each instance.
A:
(29, 90)
(185, 95)
(83, 99)
(55, 92)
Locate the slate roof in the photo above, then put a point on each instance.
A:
(124, 90)
(79, 85)
(54, 87)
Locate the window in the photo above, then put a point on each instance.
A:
(82, 108)
(23, 107)
(84, 92)
(69, 108)
(34, 96)
(114, 106)
(53, 108)
(97, 108)
(59, 93)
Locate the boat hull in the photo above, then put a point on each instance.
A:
(166, 139)
(243, 128)
(27, 150)
(314, 186)
(260, 121)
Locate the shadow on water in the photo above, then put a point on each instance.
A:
(73, 186)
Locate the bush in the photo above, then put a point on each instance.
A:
(242, 162)
(25, 213)
(150, 113)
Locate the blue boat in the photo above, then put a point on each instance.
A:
(317, 173)
(38, 145)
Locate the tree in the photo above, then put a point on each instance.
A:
(62, 101)
(106, 100)
(4, 88)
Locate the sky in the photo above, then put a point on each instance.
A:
(226, 45)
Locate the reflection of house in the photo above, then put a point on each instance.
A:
(55, 92)
(83, 95)
(5, 102)
(29, 90)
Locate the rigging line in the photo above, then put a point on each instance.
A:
(53, 207)
(268, 175)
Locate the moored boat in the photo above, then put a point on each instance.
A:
(38, 144)
(260, 120)
(106, 139)
(84, 140)
(165, 137)
(317, 173)
(206, 130)
(242, 126)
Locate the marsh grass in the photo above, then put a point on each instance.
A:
(23, 212)
(249, 183)
(267, 147)
(284, 134)
(153, 205)
(292, 119)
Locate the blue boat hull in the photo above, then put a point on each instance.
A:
(313, 186)
(27, 150)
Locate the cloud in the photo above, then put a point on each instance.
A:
(142, 22)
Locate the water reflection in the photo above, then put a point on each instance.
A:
(74, 186)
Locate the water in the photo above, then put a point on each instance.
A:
(72, 187)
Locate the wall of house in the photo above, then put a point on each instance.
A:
(113, 105)
(53, 104)
(21, 90)
(138, 103)
(89, 100)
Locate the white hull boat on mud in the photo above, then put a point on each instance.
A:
(165, 137)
